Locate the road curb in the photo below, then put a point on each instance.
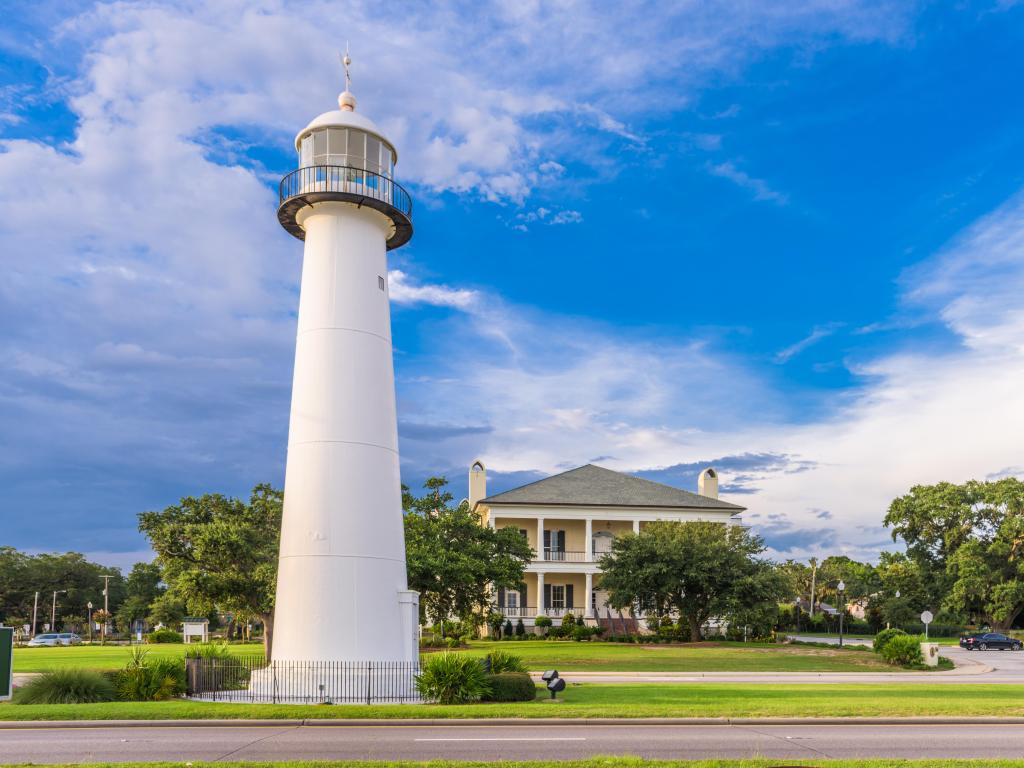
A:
(509, 722)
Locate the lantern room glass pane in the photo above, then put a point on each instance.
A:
(320, 148)
(373, 154)
(357, 149)
(306, 152)
(337, 145)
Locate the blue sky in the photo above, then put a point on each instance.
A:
(786, 239)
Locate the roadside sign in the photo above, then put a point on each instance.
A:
(926, 619)
(6, 662)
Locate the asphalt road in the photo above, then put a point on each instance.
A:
(521, 742)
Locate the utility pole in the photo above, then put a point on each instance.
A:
(814, 576)
(53, 609)
(35, 611)
(106, 608)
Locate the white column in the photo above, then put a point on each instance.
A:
(636, 526)
(490, 520)
(589, 612)
(588, 542)
(540, 593)
(540, 539)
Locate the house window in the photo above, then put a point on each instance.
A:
(554, 545)
(512, 603)
(558, 597)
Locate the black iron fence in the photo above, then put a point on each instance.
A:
(253, 679)
(346, 180)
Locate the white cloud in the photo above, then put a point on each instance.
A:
(152, 244)
(817, 334)
(402, 291)
(560, 390)
(760, 188)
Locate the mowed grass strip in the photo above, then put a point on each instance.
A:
(588, 700)
(540, 654)
(689, 657)
(594, 762)
(105, 656)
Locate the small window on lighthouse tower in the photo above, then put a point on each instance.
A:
(381, 284)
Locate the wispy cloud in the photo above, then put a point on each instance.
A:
(729, 170)
(817, 334)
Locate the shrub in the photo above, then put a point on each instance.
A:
(452, 678)
(212, 650)
(542, 621)
(452, 642)
(511, 686)
(163, 636)
(503, 661)
(903, 650)
(67, 686)
(882, 638)
(581, 633)
(569, 620)
(154, 680)
(520, 628)
(508, 628)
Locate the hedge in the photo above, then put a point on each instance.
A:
(511, 686)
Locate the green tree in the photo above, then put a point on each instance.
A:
(221, 552)
(76, 579)
(968, 544)
(702, 570)
(453, 561)
(142, 587)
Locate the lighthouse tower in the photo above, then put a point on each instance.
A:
(342, 593)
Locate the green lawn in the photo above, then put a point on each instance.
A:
(595, 762)
(539, 655)
(698, 657)
(103, 656)
(726, 700)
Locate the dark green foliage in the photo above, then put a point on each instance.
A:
(163, 636)
(219, 551)
(452, 678)
(882, 638)
(520, 628)
(154, 680)
(508, 628)
(212, 650)
(542, 621)
(67, 686)
(903, 650)
(511, 686)
(699, 570)
(457, 580)
(503, 661)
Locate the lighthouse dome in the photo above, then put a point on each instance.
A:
(343, 137)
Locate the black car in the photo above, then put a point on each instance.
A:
(989, 641)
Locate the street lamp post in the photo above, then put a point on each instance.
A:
(53, 609)
(842, 610)
(89, 606)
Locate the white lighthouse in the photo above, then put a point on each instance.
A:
(342, 593)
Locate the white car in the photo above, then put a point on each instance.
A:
(54, 638)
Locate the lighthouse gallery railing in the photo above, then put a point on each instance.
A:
(344, 179)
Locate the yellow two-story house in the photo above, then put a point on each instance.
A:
(571, 519)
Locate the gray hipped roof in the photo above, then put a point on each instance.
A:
(593, 486)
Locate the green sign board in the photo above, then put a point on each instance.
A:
(6, 662)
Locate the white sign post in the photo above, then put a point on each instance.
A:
(926, 618)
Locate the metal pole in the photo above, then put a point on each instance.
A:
(814, 576)
(53, 613)
(35, 610)
(106, 607)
